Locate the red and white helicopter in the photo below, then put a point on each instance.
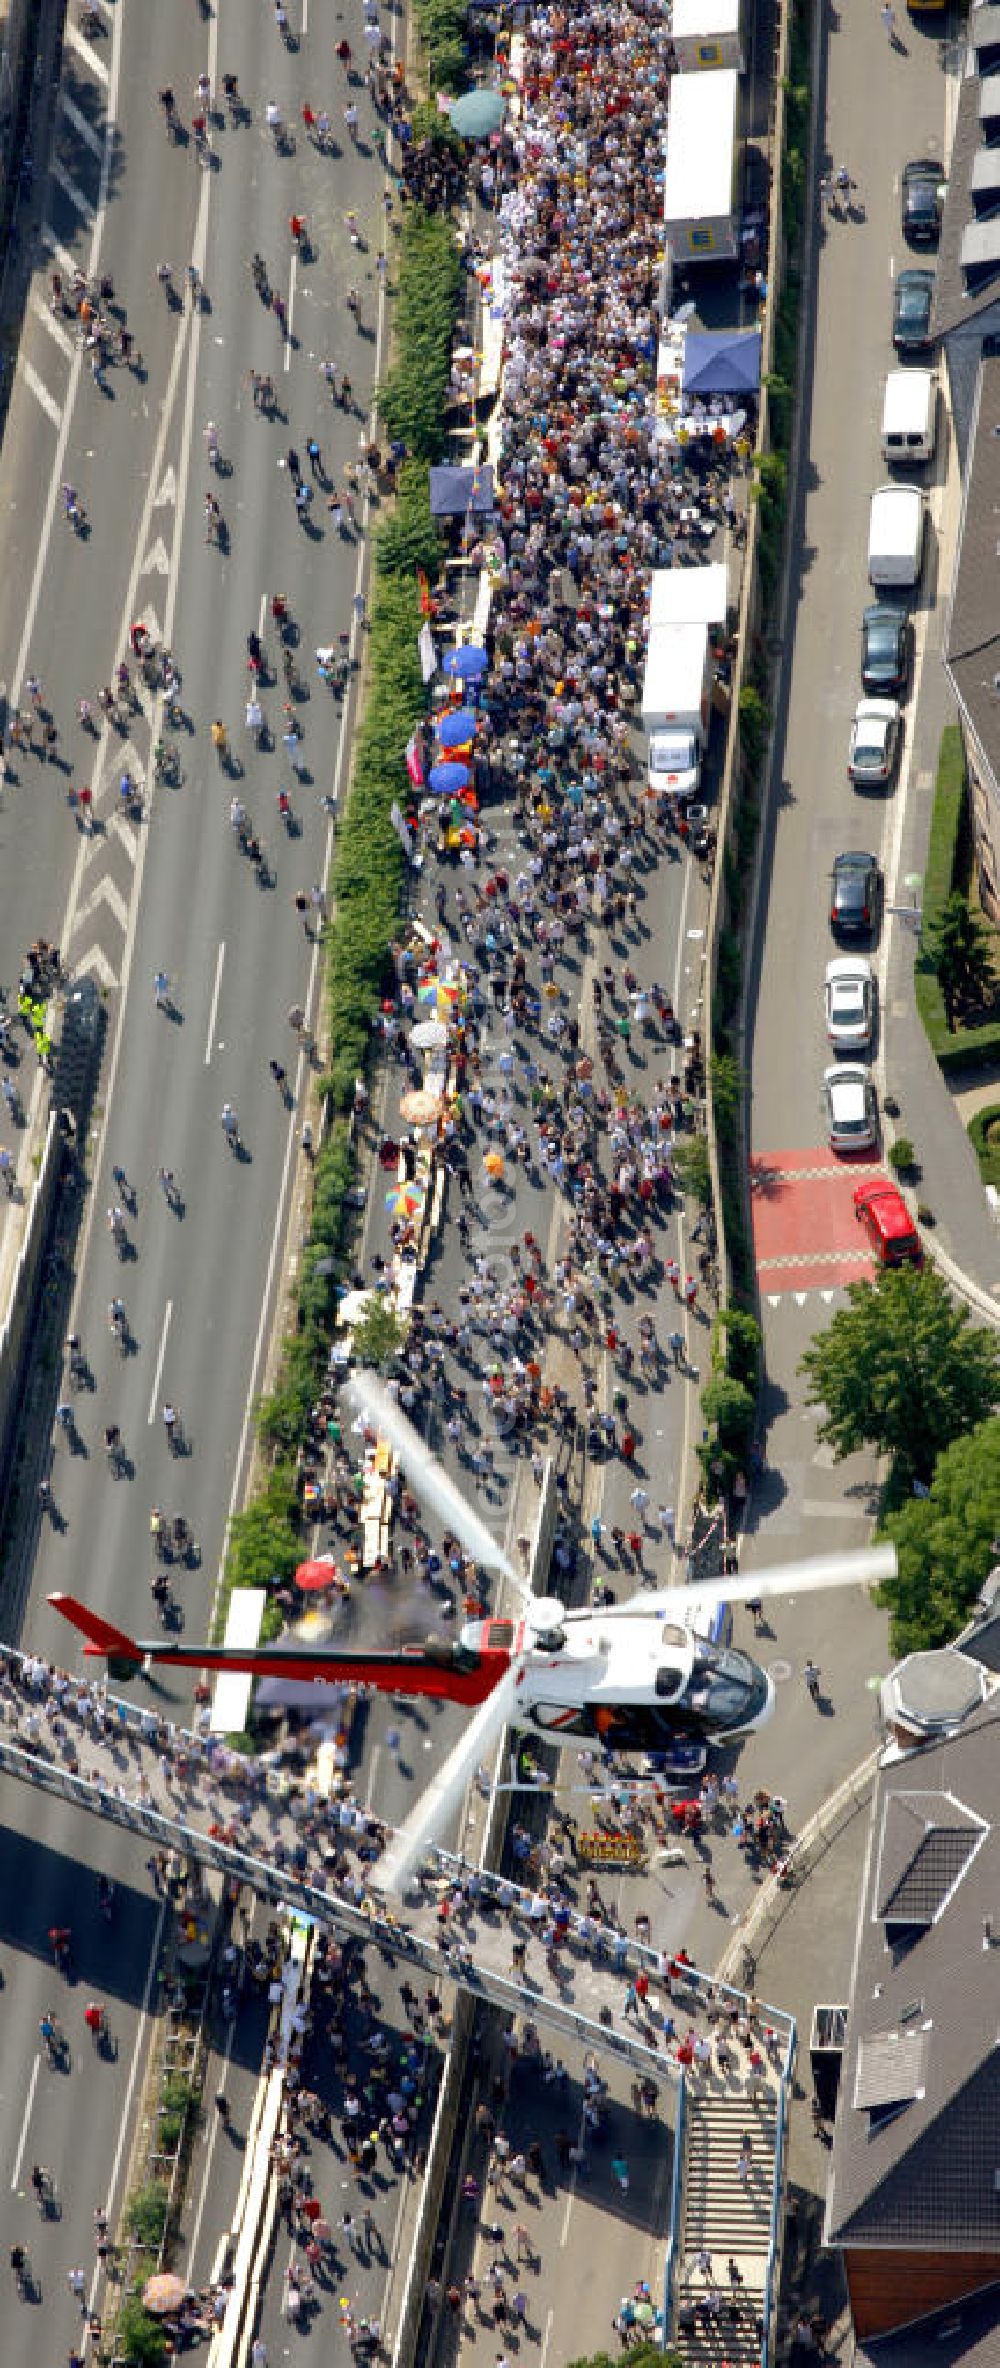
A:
(634, 1677)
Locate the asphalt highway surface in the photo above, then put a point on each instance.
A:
(170, 892)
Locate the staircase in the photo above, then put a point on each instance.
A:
(728, 2218)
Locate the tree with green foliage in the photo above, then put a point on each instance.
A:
(946, 1543)
(960, 955)
(379, 1335)
(692, 1168)
(902, 1369)
(140, 2337)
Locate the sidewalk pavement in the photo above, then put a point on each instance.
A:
(964, 1240)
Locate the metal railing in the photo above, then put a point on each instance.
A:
(676, 2207)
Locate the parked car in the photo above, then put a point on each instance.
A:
(871, 759)
(881, 1209)
(920, 199)
(886, 647)
(851, 1107)
(912, 297)
(856, 894)
(850, 1003)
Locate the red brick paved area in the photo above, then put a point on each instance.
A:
(805, 1232)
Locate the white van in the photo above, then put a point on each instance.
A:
(909, 416)
(896, 523)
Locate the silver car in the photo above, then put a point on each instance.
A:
(850, 1000)
(851, 1107)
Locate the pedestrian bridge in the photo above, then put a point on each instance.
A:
(261, 1825)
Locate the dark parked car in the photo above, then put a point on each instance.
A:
(921, 203)
(856, 894)
(912, 295)
(885, 649)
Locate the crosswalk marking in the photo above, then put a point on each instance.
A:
(38, 388)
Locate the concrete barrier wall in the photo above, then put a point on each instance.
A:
(16, 1326)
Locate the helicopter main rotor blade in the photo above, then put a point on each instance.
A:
(427, 1477)
(865, 1566)
(446, 1791)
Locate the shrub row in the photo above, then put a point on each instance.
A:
(441, 27)
(265, 1540)
(984, 1144)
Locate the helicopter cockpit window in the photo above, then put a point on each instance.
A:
(440, 1655)
(669, 1682)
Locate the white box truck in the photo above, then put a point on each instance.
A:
(676, 706)
(896, 524)
(699, 179)
(909, 416)
(689, 595)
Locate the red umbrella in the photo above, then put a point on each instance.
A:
(312, 1577)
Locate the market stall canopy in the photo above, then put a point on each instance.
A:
(467, 662)
(455, 730)
(311, 1578)
(164, 2293)
(457, 491)
(477, 113)
(447, 777)
(722, 362)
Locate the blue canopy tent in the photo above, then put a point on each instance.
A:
(722, 362)
(467, 662)
(455, 492)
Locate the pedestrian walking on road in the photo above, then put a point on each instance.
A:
(811, 1675)
(889, 21)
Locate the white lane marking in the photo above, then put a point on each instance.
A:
(76, 197)
(129, 837)
(23, 2139)
(167, 491)
(213, 1012)
(104, 893)
(156, 561)
(94, 64)
(544, 2353)
(43, 312)
(94, 140)
(56, 248)
(209, 2152)
(96, 962)
(126, 2133)
(160, 1354)
(37, 387)
(375, 1764)
(291, 309)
